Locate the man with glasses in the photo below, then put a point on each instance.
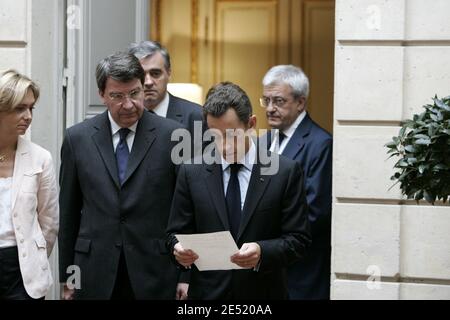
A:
(298, 137)
(117, 181)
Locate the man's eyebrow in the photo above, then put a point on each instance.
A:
(118, 92)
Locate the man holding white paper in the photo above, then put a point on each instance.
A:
(265, 214)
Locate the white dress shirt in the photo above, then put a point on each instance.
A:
(7, 235)
(162, 107)
(116, 136)
(289, 132)
(244, 174)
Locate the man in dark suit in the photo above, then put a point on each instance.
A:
(266, 214)
(155, 60)
(299, 138)
(117, 181)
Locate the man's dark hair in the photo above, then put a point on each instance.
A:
(226, 95)
(120, 66)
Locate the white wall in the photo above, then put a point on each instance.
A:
(392, 56)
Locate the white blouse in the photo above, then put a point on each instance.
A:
(7, 235)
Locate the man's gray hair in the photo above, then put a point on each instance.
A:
(146, 49)
(290, 75)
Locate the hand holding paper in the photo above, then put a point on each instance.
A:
(248, 256)
(185, 257)
(213, 250)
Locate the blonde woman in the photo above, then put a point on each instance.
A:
(29, 211)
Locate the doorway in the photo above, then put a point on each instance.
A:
(239, 40)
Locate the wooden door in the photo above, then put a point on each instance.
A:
(239, 40)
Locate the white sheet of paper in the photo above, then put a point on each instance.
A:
(213, 249)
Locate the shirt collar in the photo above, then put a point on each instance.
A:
(248, 160)
(115, 127)
(162, 107)
(289, 132)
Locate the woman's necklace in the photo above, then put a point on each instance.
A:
(3, 157)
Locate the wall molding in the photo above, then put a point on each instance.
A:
(394, 43)
(13, 44)
(194, 40)
(396, 279)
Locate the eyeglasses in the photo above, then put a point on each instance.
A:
(117, 97)
(276, 101)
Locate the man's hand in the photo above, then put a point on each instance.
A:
(182, 290)
(184, 257)
(248, 256)
(67, 294)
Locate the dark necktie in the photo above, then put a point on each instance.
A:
(281, 137)
(233, 199)
(122, 154)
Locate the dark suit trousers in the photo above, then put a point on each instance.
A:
(11, 282)
(122, 288)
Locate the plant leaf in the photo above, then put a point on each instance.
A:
(411, 149)
(421, 136)
(441, 104)
(422, 168)
(429, 197)
(391, 144)
(419, 195)
(402, 163)
(440, 167)
(423, 141)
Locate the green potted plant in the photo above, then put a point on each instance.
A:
(423, 148)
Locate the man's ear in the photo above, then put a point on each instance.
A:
(252, 122)
(301, 104)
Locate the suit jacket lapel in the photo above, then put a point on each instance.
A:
(297, 142)
(174, 112)
(143, 140)
(215, 186)
(256, 188)
(21, 162)
(103, 140)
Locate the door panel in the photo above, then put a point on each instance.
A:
(106, 26)
(246, 36)
(318, 62)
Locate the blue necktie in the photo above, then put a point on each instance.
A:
(122, 154)
(233, 199)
